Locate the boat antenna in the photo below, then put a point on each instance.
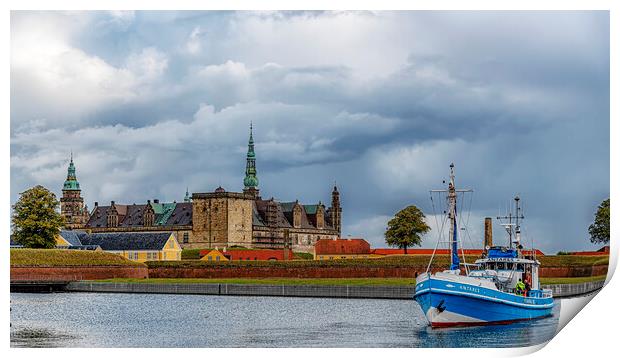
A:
(510, 227)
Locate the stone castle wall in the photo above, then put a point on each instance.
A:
(221, 220)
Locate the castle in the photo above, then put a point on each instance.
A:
(212, 219)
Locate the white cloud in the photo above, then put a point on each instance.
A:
(64, 81)
(148, 65)
(122, 18)
(316, 40)
(370, 229)
(194, 44)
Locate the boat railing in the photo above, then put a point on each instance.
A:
(540, 293)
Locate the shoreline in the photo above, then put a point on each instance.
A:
(319, 291)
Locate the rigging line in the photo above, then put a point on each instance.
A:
(434, 213)
(463, 254)
(440, 234)
(460, 239)
(471, 242)
(467, 223)
(471, 198)
(460, 218)
(428, 267)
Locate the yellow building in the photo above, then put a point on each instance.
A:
(136, 246)
(214, 255)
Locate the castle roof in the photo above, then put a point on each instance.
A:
(72, 236)
(71, 182)
(166, 214)
(284, 215)
(124, 241)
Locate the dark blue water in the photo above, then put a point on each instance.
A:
(142, 320)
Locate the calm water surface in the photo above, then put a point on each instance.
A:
(143, 320)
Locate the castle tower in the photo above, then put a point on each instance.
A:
(71, 203)
(335, 211)
(187, 198)
(250, 182)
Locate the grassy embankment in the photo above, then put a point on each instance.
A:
(194, 254)
(390, 261)
(53, 257)
(571, 260)
(571, 280)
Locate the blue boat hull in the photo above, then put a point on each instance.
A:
(448, 303)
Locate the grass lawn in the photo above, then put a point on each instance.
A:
(279, 281)
(54, 257)
(371, 281)
(559, 280)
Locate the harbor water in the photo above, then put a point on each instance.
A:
(159, 320)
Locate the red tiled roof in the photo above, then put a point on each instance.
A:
(529, 252)
(352, 246)
(422, 251)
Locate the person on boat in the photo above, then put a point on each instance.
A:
(520, 287)
(527, 287)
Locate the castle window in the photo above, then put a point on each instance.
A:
(185, 237)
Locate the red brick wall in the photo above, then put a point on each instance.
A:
(337, 272)
(584, 271)
(68, 273)
(104, 272)
(298, 272)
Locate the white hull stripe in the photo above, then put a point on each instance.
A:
(434, 316)
(494, 299)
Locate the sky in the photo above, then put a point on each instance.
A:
(151, 103)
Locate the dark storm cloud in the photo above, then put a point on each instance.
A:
(381, 103)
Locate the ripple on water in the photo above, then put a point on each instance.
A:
(143, 320)
(39, 338)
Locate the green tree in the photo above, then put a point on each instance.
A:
(35, 221)
(599, 230)
(406, 228)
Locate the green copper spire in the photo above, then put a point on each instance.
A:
(187, 198)
(71, 183)
(250, 180)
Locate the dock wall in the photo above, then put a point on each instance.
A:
(377, 292)
(576, 289)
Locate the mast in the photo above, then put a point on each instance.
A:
(517, 227)
(452, 212)
(454, 255)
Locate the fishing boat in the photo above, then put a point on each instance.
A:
(489, 291)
